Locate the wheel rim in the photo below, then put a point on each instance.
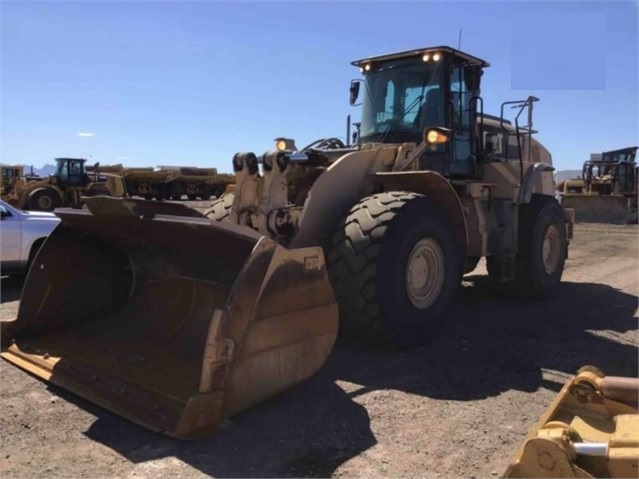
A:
(45, 203)
(424, 273)
(551, 250)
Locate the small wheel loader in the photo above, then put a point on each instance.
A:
(179, 322)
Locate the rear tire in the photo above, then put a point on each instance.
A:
(191, 197)
(44, 199)
(395, 267)
(541, 251)
(542, 248)
(220, 209)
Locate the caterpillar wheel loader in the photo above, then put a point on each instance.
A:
(590, 430)
(607, 190)
(66, 187)
(179, 322)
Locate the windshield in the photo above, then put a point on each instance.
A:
(401, 98)
(61, 169)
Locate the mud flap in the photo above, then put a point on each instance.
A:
(174, 323)
(598, 209)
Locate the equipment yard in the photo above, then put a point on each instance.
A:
(459, 406)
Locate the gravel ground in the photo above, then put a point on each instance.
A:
(458, 407)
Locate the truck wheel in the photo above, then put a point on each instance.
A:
(44, 199)
(205, 192)
(191, 197)
(395, 266)
(176, 192)
(220, 209)
(541, 253)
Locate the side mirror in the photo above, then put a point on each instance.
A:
(354, 91)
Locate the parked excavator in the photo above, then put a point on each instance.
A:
(180, 322)
(607, 190)
(590, 430)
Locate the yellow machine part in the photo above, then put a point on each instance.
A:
(590, 430)
(598, 209)
(175, 323)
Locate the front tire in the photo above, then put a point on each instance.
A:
(395, 265)
(44, 199)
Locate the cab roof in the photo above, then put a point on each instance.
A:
(422, 51)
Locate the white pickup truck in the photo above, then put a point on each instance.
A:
(21, 235)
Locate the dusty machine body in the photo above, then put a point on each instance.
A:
(590, 430)
(66, 187)
(607, 190)
(12, 177)
(178, 322)
(11, 174)
(172, 182)
(194, 182)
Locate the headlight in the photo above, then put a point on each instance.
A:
(436, 136)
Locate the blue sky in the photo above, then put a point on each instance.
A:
(191, 83)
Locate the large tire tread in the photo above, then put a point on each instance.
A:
(532, 283)
(352, 265)
(220, 209)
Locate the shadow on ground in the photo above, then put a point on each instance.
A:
(488, 345)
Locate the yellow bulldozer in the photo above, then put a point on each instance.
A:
(65, 188)
(590, 430)
(607, 190)
(179, 322)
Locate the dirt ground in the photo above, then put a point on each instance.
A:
(458, 407)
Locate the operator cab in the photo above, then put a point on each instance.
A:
(70, 172)
(410, 92)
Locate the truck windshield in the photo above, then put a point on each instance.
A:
(402, 97)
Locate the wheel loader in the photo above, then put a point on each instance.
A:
(13, 176)
(66, 187)
(590, 430)
(607, 190)
(180, 322)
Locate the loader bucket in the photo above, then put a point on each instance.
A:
(590, 430)
(174, 323)
(598, 209)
